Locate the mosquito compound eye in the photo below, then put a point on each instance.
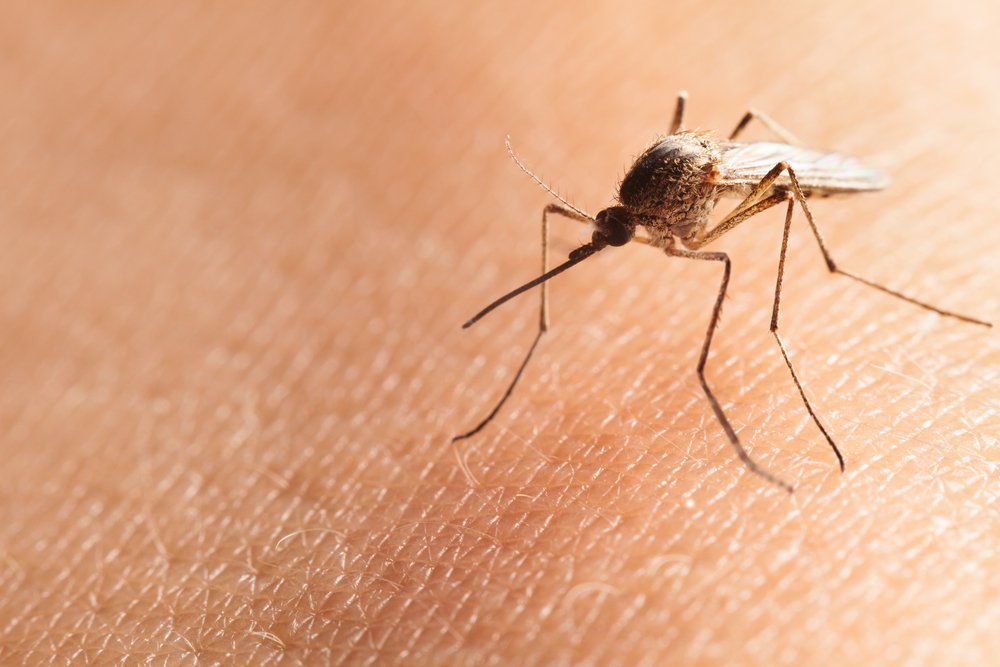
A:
(617, 235)
(615, 226)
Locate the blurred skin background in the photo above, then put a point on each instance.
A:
(238, 244)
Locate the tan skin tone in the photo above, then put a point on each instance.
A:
(238, 249)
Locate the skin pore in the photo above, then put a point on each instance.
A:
(238, 251)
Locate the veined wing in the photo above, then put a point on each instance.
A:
(744, 164)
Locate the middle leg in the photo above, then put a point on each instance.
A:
(734, 439)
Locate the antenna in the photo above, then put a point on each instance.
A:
(536, 179)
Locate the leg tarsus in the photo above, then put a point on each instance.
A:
(909, 299)
(805, 400)
(510, 389)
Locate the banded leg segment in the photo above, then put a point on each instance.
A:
(752, 465)
(543, 315)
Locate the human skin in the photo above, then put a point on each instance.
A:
(237, 249)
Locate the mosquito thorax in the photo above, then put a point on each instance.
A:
(669, 186)
(615, 226)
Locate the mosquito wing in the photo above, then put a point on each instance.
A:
(819, 172)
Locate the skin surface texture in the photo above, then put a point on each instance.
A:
(238, 247)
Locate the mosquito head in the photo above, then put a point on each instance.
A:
(615, 226)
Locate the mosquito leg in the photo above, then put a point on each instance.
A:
(752, 465)
(678, 122)
(739, 214)
(768, 122)
(543, 315)
(832, 266)
(751, 205)
(781, 343)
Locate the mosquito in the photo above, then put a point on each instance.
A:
(671, 190)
